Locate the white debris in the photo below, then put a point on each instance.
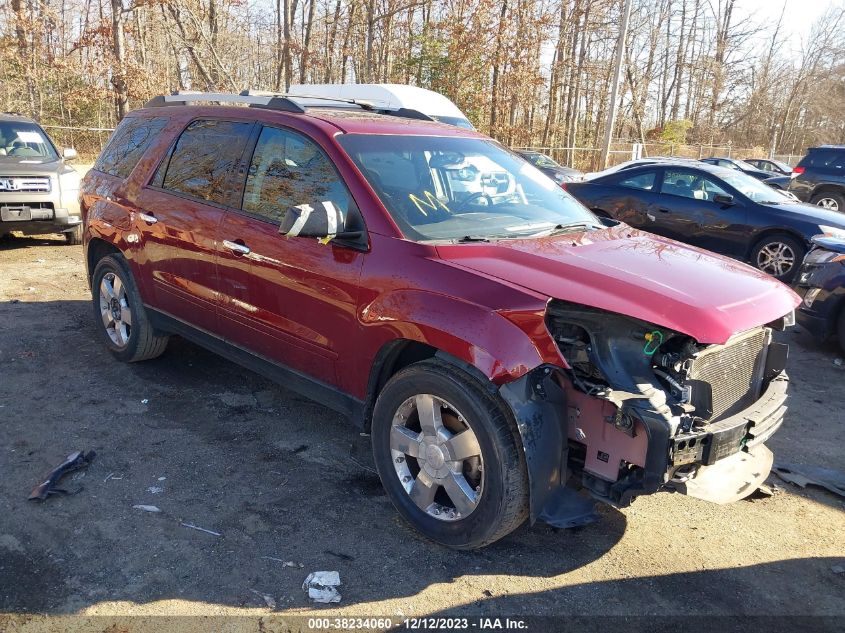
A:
(201, 529)
(838, 362)
(155, 490)
(145, 401)
(322, 586)
(146, 508)
(162, 478)
(268, 599)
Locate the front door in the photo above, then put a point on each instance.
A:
(288, 299)
(179, 215)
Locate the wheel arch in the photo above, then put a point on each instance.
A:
(827, 187)
(97, 249)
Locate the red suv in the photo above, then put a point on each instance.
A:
(506, 351)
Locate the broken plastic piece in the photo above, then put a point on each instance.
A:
(802, 474)
(147, 508)
(74, 461)
(322, 586)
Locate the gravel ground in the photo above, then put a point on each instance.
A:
(218, 447)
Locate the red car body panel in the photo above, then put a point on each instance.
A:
(631, 272)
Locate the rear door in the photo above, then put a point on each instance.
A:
(291, 300)
(688, 212)
(180, 212)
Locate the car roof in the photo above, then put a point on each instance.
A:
(13, 116)
(333, 117)
(688, 164)
(828, 147)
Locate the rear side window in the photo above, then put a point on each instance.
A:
(202, 158)
(825, 159)
(127, 144)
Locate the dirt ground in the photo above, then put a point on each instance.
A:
(216, 446)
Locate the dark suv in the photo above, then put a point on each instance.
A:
(502, 346)
(820, 177)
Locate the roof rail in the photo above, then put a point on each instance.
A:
(185, 97)
(277, 101)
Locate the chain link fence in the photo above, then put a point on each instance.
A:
(87, 141)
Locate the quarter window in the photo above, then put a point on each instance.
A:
(643, 181)
(288, 170)
(202, 158)
(127, 144)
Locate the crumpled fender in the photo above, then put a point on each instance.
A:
(502, 344)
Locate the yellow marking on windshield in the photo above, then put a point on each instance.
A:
(431, 202)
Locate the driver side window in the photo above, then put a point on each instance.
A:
(288, 170)
(690, 185)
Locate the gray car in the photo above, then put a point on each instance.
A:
(39, 191)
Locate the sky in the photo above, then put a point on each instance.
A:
(798, 17)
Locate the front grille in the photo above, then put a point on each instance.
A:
(25, 184)
(732, 373)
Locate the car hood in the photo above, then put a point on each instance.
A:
(811, 213)
(630, 272)
(32, 166)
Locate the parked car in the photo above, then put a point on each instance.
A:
(821, 286)
(546, 164)
(781, 183)
(770, 165)
(391, 97)
(39, 191)
(638, 162)
(738, 165)
(722, 210)
(499, 343)
(820, 177)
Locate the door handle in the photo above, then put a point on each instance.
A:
(149, 218)
(237, 248)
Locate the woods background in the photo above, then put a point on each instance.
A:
(531, 73)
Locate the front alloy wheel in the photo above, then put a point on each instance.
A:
(447, 451)
(826, 202)
(776, 259)
(437, 457)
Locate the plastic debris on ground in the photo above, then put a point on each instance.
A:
(200, 529)
(74, 461)
(804, 474)
(322, 586)
(268, 599)
(147, 508)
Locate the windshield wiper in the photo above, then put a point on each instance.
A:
(471, 238)
(572, 226)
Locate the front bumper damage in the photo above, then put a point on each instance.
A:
(574, 441)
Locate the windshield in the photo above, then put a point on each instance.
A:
(23, 140)
(442, 188)
(540, 160)
(753, 188)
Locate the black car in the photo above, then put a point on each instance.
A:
(738, 165)
(820, 177)
(821, 285)
(548, 166)
(774, 167)
(722, 210)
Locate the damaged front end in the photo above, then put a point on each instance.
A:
(644, 408)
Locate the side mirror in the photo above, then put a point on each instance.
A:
(723, 199)
(68, 153)
(322, 220)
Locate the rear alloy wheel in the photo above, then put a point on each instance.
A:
(119, 311)
(447, 453)
(778, 255)
(830, 200)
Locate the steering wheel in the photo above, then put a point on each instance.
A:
(472, 198)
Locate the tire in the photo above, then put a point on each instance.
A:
(779, 255)
(830, 200)
(131, 337)
(491, 487)
(74, 236)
